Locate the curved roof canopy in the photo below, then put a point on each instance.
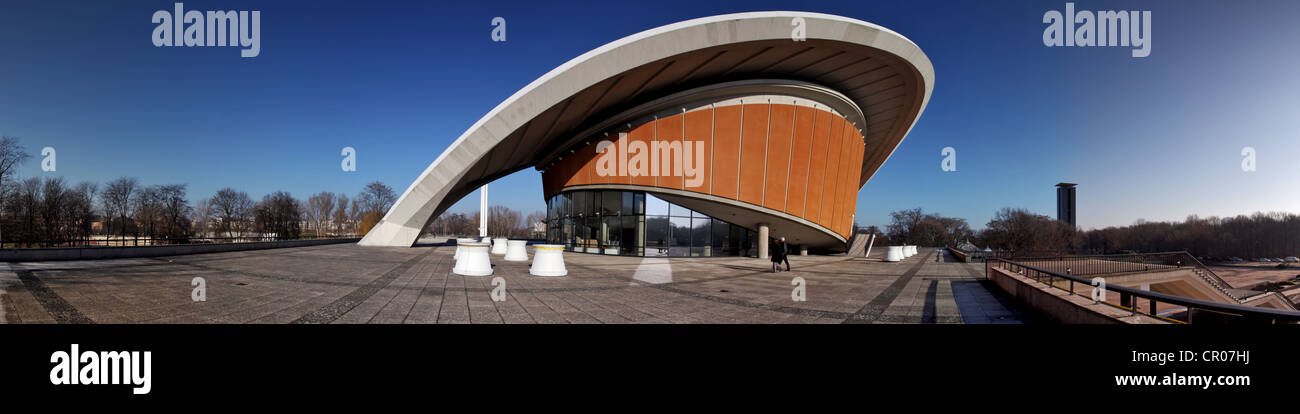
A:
(884, 73)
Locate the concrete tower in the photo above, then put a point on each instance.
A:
(1065, 203)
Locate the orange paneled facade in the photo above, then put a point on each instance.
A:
(796, 159)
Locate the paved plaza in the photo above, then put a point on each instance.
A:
(350, 284)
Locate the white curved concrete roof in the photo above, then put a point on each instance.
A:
(886, 74)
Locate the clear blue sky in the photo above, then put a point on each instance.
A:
(1156, 138)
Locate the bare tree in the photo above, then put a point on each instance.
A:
(532, 220)
(377, 198)
(502, 221)
(148, 210)
(54, 194)
(12, 154)
(201, 217)
(233, 209)
(278, 213)
(174, 211)
(81, 208)
(320, 208)
(118, 197)
(355, 213)
(341, 215)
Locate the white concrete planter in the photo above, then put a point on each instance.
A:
(473, 261)
(548, 260)
(459, 243)
(894, 254)
(517, 250)
(499, 245)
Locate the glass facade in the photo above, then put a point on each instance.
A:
(633, 223)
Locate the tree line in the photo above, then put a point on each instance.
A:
(1275, 234)
(502, 222)
(49, 211)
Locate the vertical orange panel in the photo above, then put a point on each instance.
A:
(838, 193)
(851, 203)
(726, 151)
(620, 175)
(587, 157)
(573, 165)
(642, 134)
(578, 163)
(832, 171)
(817, 164)
(699, 136)
(846, 170)
(834, 177)
(670, 161)
(753, 145)
(779, 134)
(800, 147)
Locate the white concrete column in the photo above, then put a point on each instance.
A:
(482, 211)
(762, 241)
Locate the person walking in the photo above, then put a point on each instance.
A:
(785, 254)
(778, 255)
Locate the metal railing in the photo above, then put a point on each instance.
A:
(1184, 310)
(1102, 264)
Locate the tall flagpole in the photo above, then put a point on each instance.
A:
(483, 212)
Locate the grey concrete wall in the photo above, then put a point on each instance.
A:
(1059, 306)
(98, 253)
(959, 255)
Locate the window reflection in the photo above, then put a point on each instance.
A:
(654, 206)
(633, 223)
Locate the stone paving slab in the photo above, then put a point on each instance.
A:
(351, 284)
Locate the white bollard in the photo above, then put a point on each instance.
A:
(548, 260)
(473, 261)
(459, 243)
(909, 250)
(499, 246)
(516, 250)
(894, 254)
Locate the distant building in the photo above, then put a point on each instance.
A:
(1065, 203)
